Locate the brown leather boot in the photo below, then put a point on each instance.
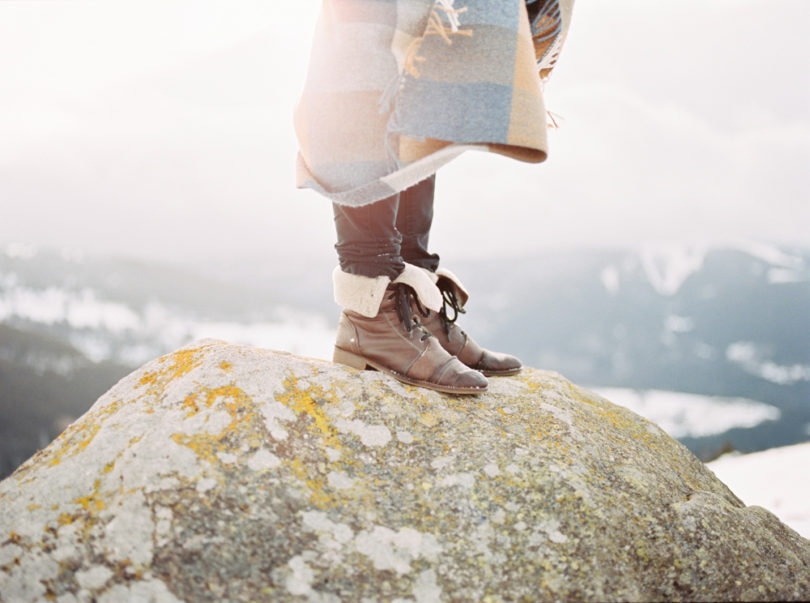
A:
(456, 341)
(395, 342)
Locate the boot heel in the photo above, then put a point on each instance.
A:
(349, 359)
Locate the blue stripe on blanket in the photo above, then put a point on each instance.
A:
(504, 14)
(485, 49)
(457, 112)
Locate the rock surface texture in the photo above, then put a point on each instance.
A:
(224, 472)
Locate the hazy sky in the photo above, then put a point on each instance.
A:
(163, 129)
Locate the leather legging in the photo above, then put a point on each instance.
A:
(377, 239)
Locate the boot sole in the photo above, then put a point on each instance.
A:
(356, 361)
(503, 373)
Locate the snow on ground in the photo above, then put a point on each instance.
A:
(691, 415)
(771, 479)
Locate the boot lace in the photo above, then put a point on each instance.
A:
(410, 323)
(449, 303)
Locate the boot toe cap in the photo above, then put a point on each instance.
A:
(456, 376)
(494, 363)
(471, 379)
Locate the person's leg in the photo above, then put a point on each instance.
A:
(379, 326)
(368, 242)
(414, 219)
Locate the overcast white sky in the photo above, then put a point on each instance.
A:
(162, 129)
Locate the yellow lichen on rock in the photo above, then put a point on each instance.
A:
(182, 362)
(93, 501)
(79, 435)
(302, 399)
(236, 403)
(229, 473)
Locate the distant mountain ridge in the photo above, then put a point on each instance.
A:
(730, 321)
(44, 385)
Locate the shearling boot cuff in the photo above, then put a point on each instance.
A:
(421, 281)
(361, 294)
(461, 292)
(364, 294)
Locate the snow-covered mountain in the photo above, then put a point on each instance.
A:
(711, 342)
(771, 479)
(129, 312)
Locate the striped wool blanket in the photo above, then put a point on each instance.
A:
(397, 88)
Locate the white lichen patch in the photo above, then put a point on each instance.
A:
(633, 476)
(67, 533)
(318, 522)
(654, 430)
(507, 387)
(153, 591)
(9, 553)
(211, 422)
(216, 422)
(227, 458)
(339, 480)
(205, 484)
(263, 460)
(65, 552)
(166, 483)
(273, 412)
(405, 437)
(440, 462)
(389, 550)
(163, 527)
(465, 480)
(551, 528)
(155, 457)
(332, 454)
(425, 587)
(562, 415)
(299, 582)
(24, 582)
(370, 435)
(481, 538)
(491, 470)
(195, 543)
(94, 578)
(344, 409)
(128, 535)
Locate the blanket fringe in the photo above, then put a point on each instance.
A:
(436, 26)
